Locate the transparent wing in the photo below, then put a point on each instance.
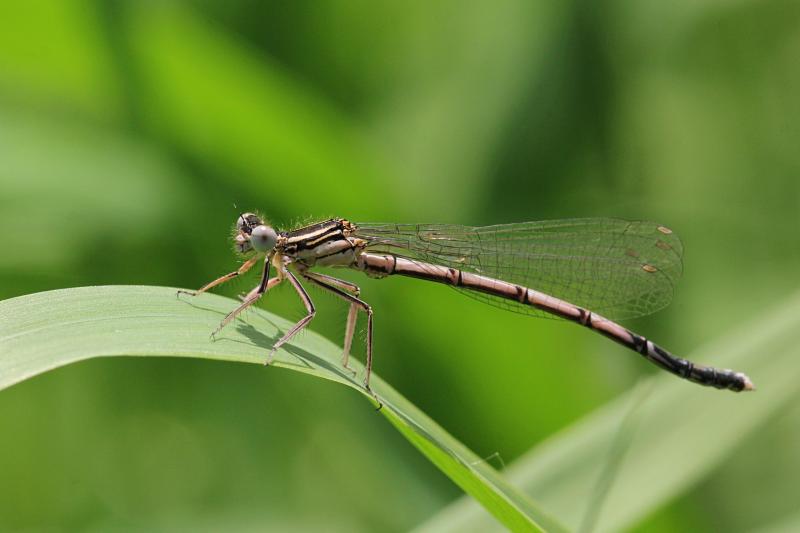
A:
(617, 268)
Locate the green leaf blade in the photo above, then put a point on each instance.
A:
(680, 434)
(44, 331)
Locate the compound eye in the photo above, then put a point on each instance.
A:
(247, 221)
(263, 238)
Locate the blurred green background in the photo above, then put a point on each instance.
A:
(133, 133)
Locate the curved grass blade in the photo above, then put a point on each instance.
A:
(683, 434)
(43, 331)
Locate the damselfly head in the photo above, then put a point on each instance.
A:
(253, 235)
(247, 221)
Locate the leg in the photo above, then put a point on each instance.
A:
(349, 331)
(352, 288)
(355, 303)
(327, 281)
(247, 265)
(271, 283)
(303, 321)
(255, 294)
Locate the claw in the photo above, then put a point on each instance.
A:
(351, 370)
(374, 397)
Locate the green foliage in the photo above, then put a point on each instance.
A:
(48, 330)
(133, 133)
(680, 435)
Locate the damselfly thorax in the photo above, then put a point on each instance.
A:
(588, 271)
(326, 244)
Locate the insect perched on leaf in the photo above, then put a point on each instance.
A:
(589, 271)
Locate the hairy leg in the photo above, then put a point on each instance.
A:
(247, 265)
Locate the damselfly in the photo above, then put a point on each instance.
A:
(589, 271)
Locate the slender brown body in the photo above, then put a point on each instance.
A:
(387, 264)
(339, 243)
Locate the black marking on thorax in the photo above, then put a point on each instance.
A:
(310, 237)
